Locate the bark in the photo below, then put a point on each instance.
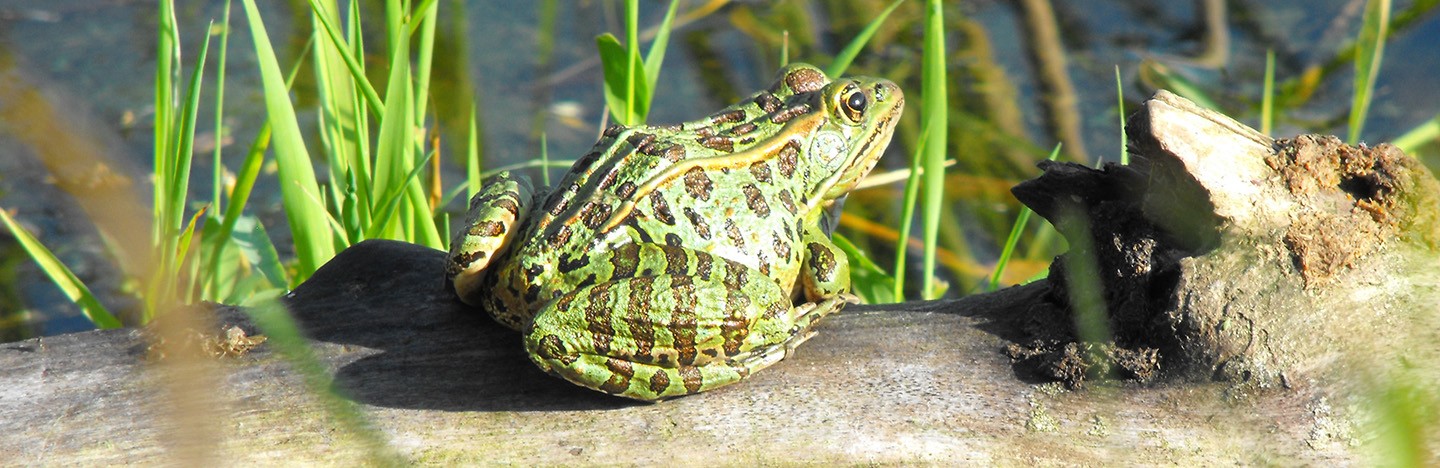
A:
(1248, 301)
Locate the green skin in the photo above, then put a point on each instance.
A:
(673, 260)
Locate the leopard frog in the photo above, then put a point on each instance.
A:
(676, 259)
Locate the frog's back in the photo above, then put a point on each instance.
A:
(728, 184)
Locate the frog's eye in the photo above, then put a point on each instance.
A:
(853, 102)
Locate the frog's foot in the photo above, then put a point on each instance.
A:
(697, 325)
(496, 213)
(806, 316)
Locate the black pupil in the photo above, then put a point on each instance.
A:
(856, 101)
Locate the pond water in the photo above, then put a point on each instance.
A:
(77, 85)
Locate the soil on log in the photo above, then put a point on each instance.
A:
(1228, 300)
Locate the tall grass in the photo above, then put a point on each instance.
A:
(1374, 28)
(934, 115)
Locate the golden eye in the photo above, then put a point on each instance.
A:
(854, 103)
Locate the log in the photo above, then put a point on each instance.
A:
(1255, 296)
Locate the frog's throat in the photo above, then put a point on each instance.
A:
(803, 125)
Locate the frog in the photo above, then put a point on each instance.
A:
(676, 259)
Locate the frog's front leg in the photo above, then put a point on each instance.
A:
(824, 270)
(668, 321)
(496, 213)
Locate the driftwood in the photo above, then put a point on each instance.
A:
(1260, 295)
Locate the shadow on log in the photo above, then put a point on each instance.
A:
(1243, 301)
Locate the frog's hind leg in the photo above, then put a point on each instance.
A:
(668, 321)
(496, 213)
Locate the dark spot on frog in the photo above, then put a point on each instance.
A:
(733, 232)
(597, 216)
(659, 382)
(782, 248)
(675, 261)
(640, 139)
(711, 352)
(727, 117)
(597, 318)
(788, 158)
(639, 232)
(588, 281)
(672, 240)
(508, 204)
(788, 113)
(487, 229)
(703, 264)
(698, 184)
(756, 200)
(624, 261)
(735, 276)
(690, 375)
(787, 201)
(625, 190)
(662, 209)
(805, 79)
(822, 262)
(767, 102)
(718, 143)
(552, 348)
(568, 265)
(742, 129)
(674, 153)
(701, 227)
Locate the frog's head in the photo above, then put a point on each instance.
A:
(853, 120)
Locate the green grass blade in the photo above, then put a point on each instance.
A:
(1161, 76)
(284, 337)
(424, 5)
(1267, 99)
(935, 115)
(1371, 48)
(472, 159)
(1020, 222)
(390, 202)
(182, 250)
(912, 195)
(62, 276)
(165, 75)
(656, 56)
(425, 52)
(1413, 140)
(254, 243)
(613, 60)
(633, 80)
(848, 54)
(544, 160)
(867, 280)
(313, 241)
(372, 99)
(178, 174)
(337, 89)
(217, 168)
(245, 181)
(1120, 109)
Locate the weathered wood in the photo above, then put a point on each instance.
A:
(908, 384)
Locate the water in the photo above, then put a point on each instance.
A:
(92, 65)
